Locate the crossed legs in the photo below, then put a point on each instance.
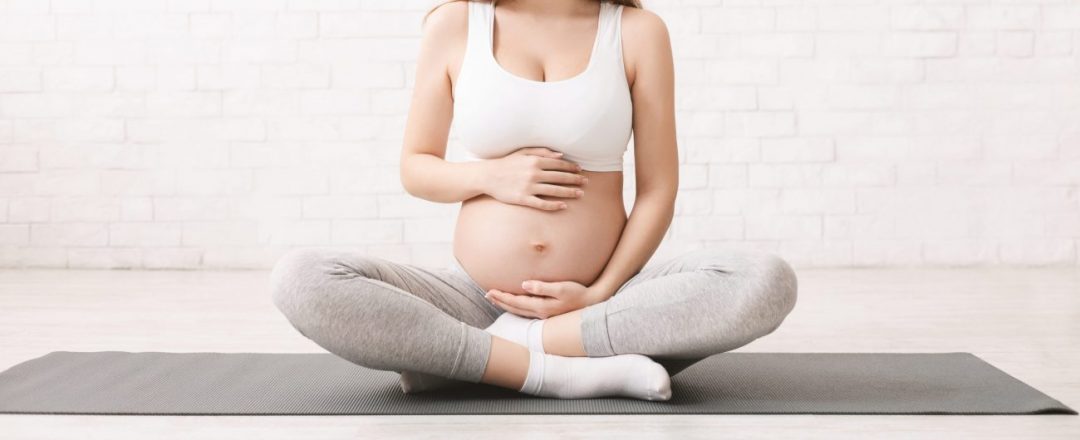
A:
(398, 317)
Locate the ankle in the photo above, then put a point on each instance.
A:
(535, 336)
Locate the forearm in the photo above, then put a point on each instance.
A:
(641, 236)
(433, 178)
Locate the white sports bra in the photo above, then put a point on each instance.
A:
(587, 117)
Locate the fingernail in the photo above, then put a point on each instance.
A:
(586, 180)
(580, 192)
(562, 206)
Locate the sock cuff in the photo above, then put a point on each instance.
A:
(534, 379)
(535, 335)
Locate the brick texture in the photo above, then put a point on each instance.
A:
(221, 133)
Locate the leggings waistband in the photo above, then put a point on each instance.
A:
(455, 266)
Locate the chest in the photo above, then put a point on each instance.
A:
(497, 113)
(540, 53)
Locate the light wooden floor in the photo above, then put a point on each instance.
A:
(1026, 322)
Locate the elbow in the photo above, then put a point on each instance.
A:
(414, 174)
(660, 189)
(660, 195)
(661, 203)
(405, 175)
(412, 188)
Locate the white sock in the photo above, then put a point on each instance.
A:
(519, 330)
(625, 375)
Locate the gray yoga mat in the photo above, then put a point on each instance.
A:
(156, 383)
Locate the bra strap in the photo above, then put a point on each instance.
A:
(611, 26)
(479, 33)
(482, 24)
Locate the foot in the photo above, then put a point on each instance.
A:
(627, 375)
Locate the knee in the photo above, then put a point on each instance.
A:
(776, 288)
(767, 283)
(294, 277)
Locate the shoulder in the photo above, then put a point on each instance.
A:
(643, 25)
(445, 31)
(447, 22)
(646, 42)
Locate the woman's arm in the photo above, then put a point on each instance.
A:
(656, 155)
(424, 171)
(517, 178)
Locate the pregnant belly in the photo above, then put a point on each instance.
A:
(500, 245)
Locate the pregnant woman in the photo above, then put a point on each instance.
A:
(548, 293)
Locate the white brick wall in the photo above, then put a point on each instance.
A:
(214, 133)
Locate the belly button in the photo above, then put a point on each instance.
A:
(539, 247)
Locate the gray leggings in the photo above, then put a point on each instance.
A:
(397, 317)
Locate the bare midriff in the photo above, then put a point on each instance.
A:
(500, 244)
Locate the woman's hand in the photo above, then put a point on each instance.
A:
(519, 177)
(546, 299)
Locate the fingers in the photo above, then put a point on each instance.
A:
(562, 177)
(541, 151)
(546, 205)
(557, 191)
(548, 163)
(540, 288)
(519, 303)
(515, 310)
